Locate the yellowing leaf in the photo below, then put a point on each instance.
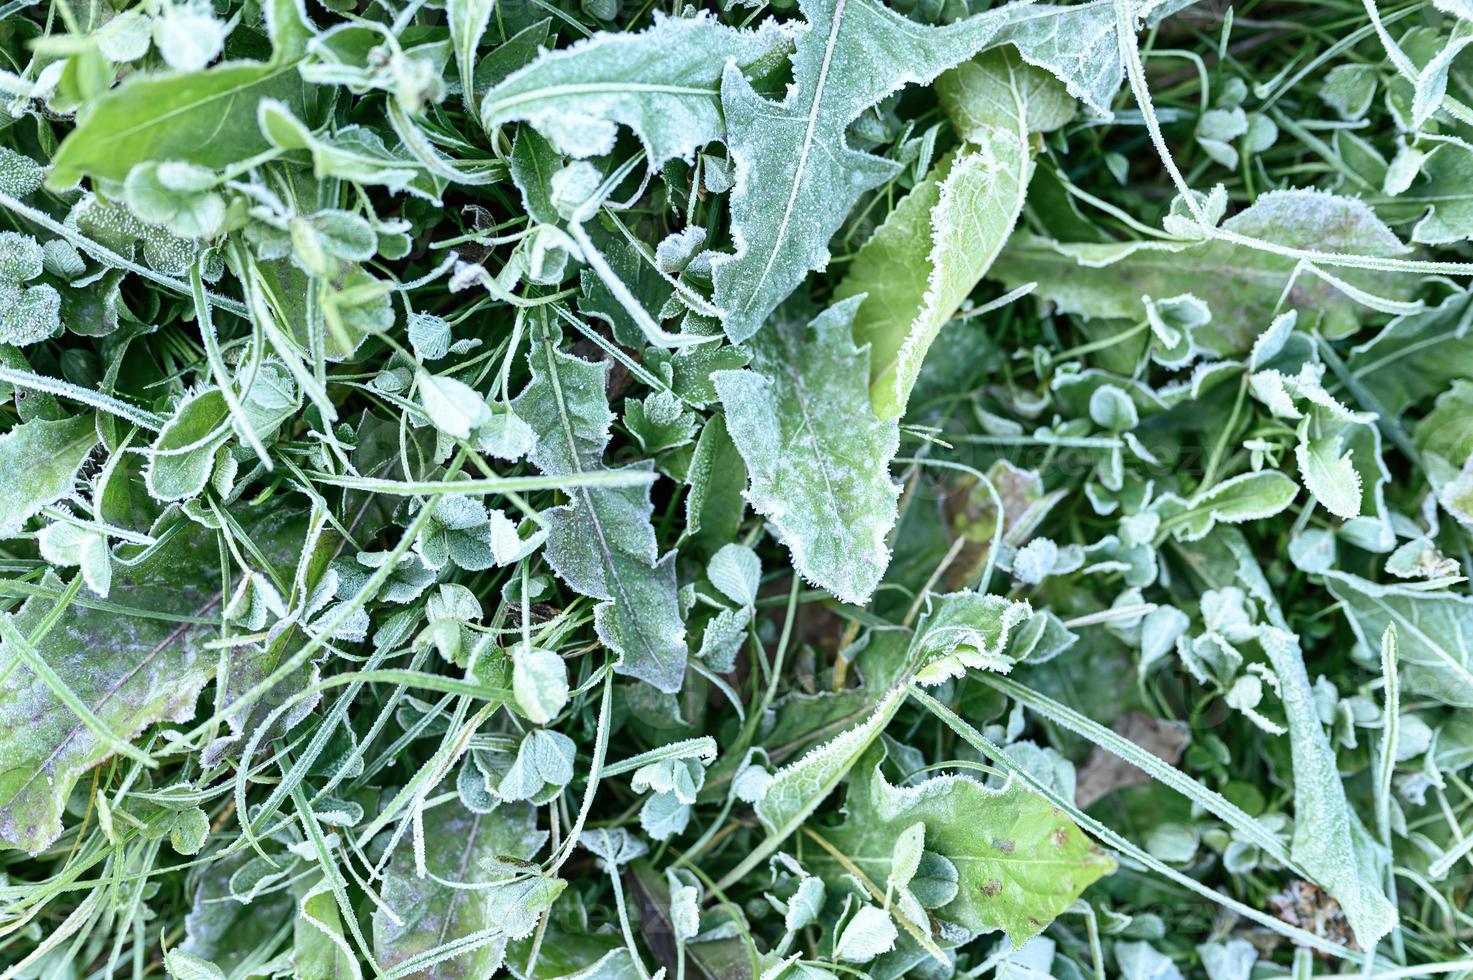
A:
(939, 241)
(796, 176)
(1020, 862)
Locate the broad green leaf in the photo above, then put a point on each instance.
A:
(29, 313)
(464, 853)
(1433, 631)
(1349, 89)
(69, 544)
(797, 789)
(187, 966)
(1447, 430)
(1078, 45)
(964, 630)
(179, 196)
(353, 153)
(1246, 497)
(602, 543)
(736, 571)
(796, 176)
(1416, 356)
(39, 461)
(533, 162)
(1443, 184)
(202, 117)
(321, 949)
(1431, 83)
(183, 454)
(714, 506)
(1020, 862)
(453, 407)
(1242, 286)
(19, 174)
(817, 457)
(924, 260)
(997, 95)
(206, 118)
(223, 930)
(937, 243)
(1329, 839)
(130, 670)
(188, 36)
(539, 681)
(664, 83)
(468, 22)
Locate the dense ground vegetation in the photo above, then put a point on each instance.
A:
(807, 489)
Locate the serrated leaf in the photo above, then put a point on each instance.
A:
(1329, 473)
(937, 243)
(1021, 863)
(602, 543)
(867, 935)
(961, 631)
(796, 176)
(39, 461)
(817, 458)
(797, 789)
(663, 83)
(1078, 45)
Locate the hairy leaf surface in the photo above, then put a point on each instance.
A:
(817, 457)
(796, 175)
(602, 543)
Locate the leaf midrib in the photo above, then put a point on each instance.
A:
(806, 147)
(553, 92)
(613, 579)
(153, 121)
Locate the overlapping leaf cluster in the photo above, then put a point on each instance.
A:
(834, 488)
